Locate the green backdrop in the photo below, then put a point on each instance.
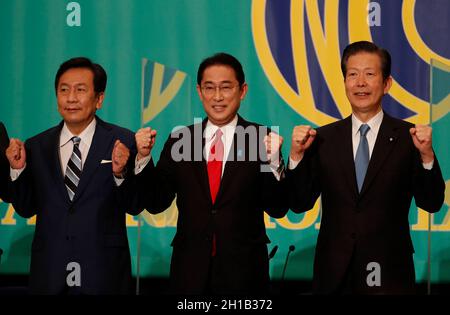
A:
(290, 51)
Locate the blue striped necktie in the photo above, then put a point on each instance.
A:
(362, 156)
(73, 170)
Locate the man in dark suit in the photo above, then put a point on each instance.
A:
(4, 165)
(224, 173)
(71, 177)
(367, 168)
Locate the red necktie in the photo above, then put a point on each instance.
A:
(215, 172)
(215, 164)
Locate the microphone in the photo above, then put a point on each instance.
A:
(273, 252)
(291, 249)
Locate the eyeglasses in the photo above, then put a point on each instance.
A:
(225, 90)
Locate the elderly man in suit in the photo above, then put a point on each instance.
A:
(367, 167)
(225, 173)
(71, 177)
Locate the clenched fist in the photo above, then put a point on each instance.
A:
(145, 140)
(15, 153)
(302, 138)
(120, 155)
(421, 136)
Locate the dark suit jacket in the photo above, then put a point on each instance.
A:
(4, 165)
(91, 229)
(371, 226)
(236, 218)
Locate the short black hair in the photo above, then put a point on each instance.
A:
(365, 46)
(225, 59)
(100, 76)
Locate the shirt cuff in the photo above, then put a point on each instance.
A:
(139, 165)
(293, 164)
(428, 166)
(14, 173)
(118, 181)
(274, 168)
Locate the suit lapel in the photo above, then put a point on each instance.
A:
(235, 158)
(385, 142)
(344, 149)
(200, 167)
(51, 149)
(101, 144)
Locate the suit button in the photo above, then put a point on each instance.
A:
(353, 235)
(67, 238)
(214, 211)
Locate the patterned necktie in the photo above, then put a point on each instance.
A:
(215, 160)
(362, 156)
(73, 170)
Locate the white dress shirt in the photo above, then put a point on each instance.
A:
(227, 138)
(66, 144)
(374, 123)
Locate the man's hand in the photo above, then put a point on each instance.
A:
(15, 153)
(302, 138)
(421, 136)
(145, 140)
(273, 144)
(120, 155)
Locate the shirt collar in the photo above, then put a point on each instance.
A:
(211, 129)
(86, 135)
(374, 123)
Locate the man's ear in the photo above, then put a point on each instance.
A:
(387, 85)
(244, 89)
(100, 98)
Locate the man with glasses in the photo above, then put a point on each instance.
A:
(225, 172)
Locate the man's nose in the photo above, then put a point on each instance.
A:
(218, 93)
(360, 80)
(72, 97)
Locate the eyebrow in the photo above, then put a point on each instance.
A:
(221, 82)
(367, 68)
(76, 84)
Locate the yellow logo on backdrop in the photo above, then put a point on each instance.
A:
(154, 97)
(305, 14)
(160, 84)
